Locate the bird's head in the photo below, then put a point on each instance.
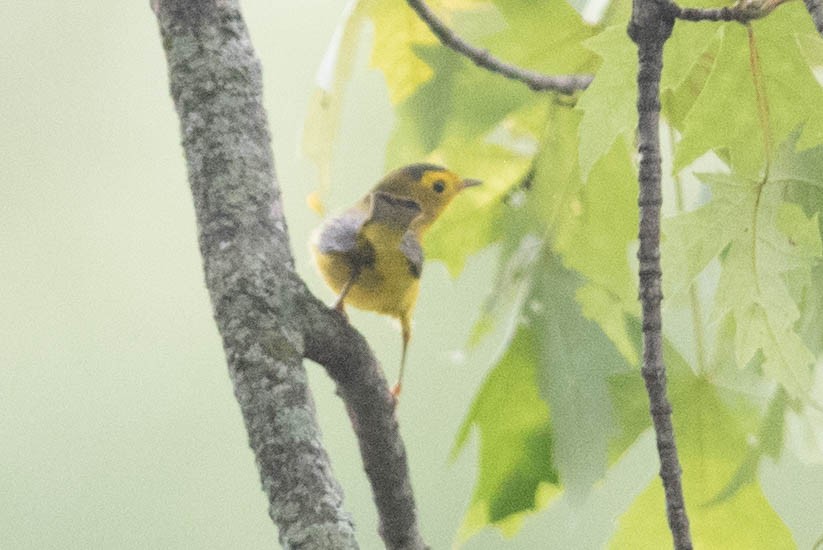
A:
(431, 186)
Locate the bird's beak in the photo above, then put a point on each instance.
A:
(469, 183)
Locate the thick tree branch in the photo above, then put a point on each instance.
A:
(361, 384)
(264, 312)
(566, 84)
(650, 26)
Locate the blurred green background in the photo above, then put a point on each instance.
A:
(117, 420)
(118, 426)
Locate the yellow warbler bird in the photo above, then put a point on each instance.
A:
(371, 254)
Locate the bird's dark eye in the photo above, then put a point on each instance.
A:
(439, 186)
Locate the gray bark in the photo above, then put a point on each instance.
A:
(650, 26)
(267, 319)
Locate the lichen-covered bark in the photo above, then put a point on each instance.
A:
(216, 85)
(267, 318)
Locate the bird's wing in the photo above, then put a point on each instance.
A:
(340, 234)
(411, 248)
(393, 211)
(398, 213)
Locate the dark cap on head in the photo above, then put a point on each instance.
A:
(416, 171)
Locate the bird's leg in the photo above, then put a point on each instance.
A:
(339, 303)
(406, 324)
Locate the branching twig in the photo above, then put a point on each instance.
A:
(650, 26)
(267, 318)
(566, 84)
(726, 13)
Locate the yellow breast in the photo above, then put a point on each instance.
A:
(388, 285)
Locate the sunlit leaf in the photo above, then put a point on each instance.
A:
(765, 243)
(515, 437)
(545, 36)
(559, 203)
(725, 114)
(570, 363)
(609, 103)
(575, 361)
(713, 430)
(397, 31)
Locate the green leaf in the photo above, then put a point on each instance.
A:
(458, 104)
(802, 173)
(558, 357)
(552, 200)
(397, 31)
(686, 48)
(593, 225)
(725, 115)
(575, 361)
(713, 428)
(544, 36)
(769, 442)
(812, 48)
(515, 437)
(768, 248)
(725, 112)
(511, 284)
(752, 285)
(681, 88)
(793, 92)
(609, 103)
(595, 242)
(477, 216)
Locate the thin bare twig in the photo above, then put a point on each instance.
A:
(650, 26)
(267, 318)
(539, 82)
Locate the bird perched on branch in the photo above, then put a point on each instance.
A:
(371, 254)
